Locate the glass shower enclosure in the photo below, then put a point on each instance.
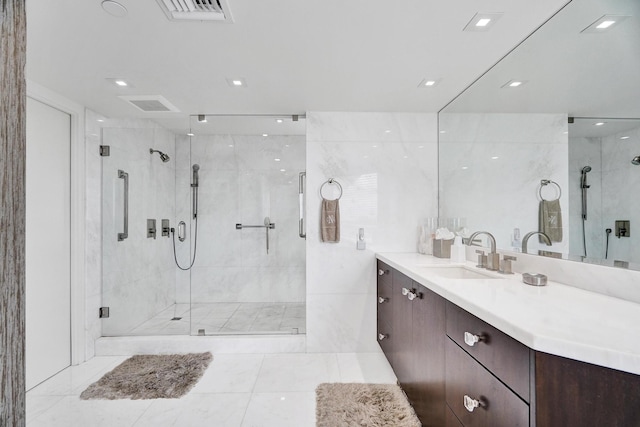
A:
(200, 232)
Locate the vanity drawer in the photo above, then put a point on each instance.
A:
(505, 357)
(468, 382)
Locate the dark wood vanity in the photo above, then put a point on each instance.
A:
(458, 370)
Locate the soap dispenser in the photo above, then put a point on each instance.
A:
(458, 250)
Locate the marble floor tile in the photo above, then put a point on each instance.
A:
(197, 410)
(296, 372)
(254, 390)
(365, 368)
(284, 409)
(230, 373)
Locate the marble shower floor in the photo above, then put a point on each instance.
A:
(226, 318)
(237, 390)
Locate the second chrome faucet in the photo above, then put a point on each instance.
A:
(493, 258)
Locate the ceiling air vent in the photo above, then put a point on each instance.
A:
(196, 10)
(150, 103)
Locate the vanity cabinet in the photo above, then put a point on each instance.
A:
(428, 342)
(411, 333)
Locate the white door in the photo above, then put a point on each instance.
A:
(48, 242)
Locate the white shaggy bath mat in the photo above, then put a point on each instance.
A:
(371, 405)
(167, 376)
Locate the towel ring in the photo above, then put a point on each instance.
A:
(545, 182)
(331, 181)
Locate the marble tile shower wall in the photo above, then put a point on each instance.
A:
(493, 163)
(135, 278)
(613, 181)
(388, 168)
(586, 152)
(241, 182)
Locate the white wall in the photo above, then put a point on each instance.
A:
(240, 182)
(386, 164)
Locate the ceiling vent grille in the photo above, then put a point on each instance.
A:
(196, 10)
(150, 103)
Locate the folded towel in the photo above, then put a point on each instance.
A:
(550, 220)
(330, 221)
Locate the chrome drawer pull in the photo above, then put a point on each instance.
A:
(382, 272)
(412, 295)
(405, 291)
(471, 404)
(382, 336)
(382, 299)
(470, 339)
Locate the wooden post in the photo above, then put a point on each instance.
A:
(12, 211)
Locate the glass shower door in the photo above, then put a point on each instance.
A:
(138, 273)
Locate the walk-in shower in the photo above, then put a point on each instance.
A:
(584, 187)
(230, 170)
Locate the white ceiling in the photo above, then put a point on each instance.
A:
(295, 55)
(569, 71)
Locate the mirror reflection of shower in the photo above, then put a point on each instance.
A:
(194, 200)
(164, 157)
(584, 186)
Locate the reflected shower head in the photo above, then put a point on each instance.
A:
(164, 157)
(636, 160)
(586, 169)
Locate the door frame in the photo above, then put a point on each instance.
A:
(77, 210)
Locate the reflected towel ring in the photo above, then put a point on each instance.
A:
(546, 182)
(331, 181)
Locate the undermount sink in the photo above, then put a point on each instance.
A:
(457, 272)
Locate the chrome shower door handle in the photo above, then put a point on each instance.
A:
(301, 181)
(125, 232)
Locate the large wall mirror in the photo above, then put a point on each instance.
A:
(553, 127)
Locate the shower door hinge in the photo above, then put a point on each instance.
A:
(104, 312)
(105, 151)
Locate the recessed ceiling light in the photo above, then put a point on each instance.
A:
(283, 170)
(121, 83)
(426, 83)
(265, 135)
(100, 120)
(514, 83)
(443, 131)
(495, 158)
(624, 137)
(279, 120)
(190, 134)
(482, 21)
(114, 8)
(237, 82)
(604, 23)
(465, 167)
(230, 145)
(599, 124)
(277, 160)
(374, 146)
(387, 131)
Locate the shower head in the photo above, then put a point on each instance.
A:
(586, 169)
(636, 160)
(196, 168)
(164, 157)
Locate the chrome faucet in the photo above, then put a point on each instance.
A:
(525, 239)
(493, 259)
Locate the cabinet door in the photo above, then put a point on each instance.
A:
(402, 353)
(427, 391)
(385, 308)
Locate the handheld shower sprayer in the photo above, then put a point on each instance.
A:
(583, 177)
(194, 181)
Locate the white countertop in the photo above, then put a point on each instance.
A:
(556, 319)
